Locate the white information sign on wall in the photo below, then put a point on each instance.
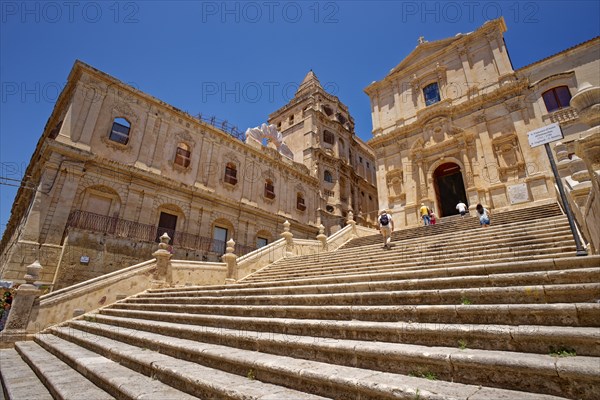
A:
(546, 134)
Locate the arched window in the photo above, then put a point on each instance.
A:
(120, 131)
(340, 118)
(327, 176)
(230, 174)
(300, 202)
(327, 110)
(269, 189)
(557, 98)
(328, 137)
(431, 93)
(182, 155)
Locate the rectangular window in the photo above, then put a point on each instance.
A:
(219, 240)
(261, 242)
(557, 98)
(269, 191)
(431, 93)
(300, 204)
(230, 175)
(119, 133)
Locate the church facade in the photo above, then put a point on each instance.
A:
(450, 123)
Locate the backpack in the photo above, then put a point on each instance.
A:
(384, 220)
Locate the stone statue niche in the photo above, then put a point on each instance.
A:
(256, 135)
(509, 158)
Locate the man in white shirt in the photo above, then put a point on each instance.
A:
(462, 208)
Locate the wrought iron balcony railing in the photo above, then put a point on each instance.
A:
(122, 228)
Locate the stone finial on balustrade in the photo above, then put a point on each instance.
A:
(163, 260)
(22, 306)
(230, 259)
(350, 221)
(287, 235)
(289, 238)
(321, 236)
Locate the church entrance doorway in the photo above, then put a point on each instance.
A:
(449, 188)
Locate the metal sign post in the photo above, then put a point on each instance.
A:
(545, 135)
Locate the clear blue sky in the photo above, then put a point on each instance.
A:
(240, 61)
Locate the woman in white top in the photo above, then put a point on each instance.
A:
(484, 215)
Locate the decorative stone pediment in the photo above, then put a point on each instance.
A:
(231, 157)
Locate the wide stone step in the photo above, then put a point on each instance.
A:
(536, 373)
(381, 267)
(18, 380)
(116, 379)
(61, 380)
(540, 294)
(564, 263)
(317, 377)
(187, 376)
(438, 232)
(580, 275)
(462, 226)
(408, 251)
(523, 338)
(539, 214)
(398, 259)
(486, 238)
(578, 314)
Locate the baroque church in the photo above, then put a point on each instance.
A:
(451, 123)
(115, 168)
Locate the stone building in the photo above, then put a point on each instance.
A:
(320, 132)
(115, 168)
(450, 123)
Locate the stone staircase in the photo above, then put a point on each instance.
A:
(505, 312)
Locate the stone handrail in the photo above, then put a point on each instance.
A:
(62, 304)
(261, 258)
(197, 273)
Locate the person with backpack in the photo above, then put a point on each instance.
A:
(386, 227)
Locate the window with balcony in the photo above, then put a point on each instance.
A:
(557, 98)
(269, 189)
(300, 202)
(120, 131)
(182, 155)
(431, 93)
(230, 174)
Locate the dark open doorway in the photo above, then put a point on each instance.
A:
(449, 188)
(166, 223)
